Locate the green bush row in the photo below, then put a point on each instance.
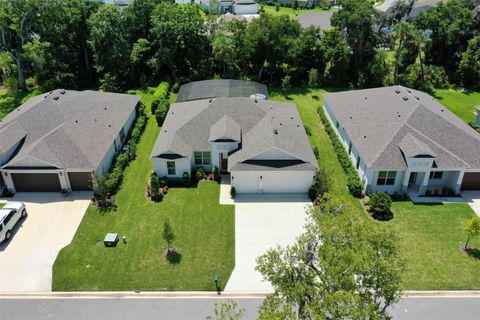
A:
(115, 175)
(161, 102)
(353, 180)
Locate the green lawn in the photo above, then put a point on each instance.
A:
(460, 102)
(204, 231)
(9, 100)
(430, 239)
(429, 234)
(289, 11)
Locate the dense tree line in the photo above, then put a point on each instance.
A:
(81, 44)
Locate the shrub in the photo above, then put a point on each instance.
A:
(155, 105)
(200, 173)
(380, 202)
(122, 160)
(186, 178)
(161, 111)
(114, 178)
(308, 131)
(161, 92)
(154, 184)
(233, 192)
(312, 193)
(215, 173)
(132, 151)
(157, 197)
(353, 180)
(277, 7)
(428, 192)
(316, 153)
(163, 182)
(321, 184)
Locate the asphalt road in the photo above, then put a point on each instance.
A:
(190, 308)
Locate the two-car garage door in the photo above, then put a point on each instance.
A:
(271, 181)
(41, 182)
(49, 182)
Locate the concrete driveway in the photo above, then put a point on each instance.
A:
(473, 200)
(26, 260)
(261, 223)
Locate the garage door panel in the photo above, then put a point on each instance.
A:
(471, 181)
(273, 182)
(36, 182)
(80, 181)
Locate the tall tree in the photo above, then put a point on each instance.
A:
(109, 43)
(451, 25)
(340, 268)
(337, 58)
(180, 42)
(17, 18)
(470, 63)
(357, 18)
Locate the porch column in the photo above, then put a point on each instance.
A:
(406, 178)
(458, 184)
(64, 182)
(424, 185)
(7, 178)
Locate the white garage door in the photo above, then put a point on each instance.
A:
(272, 182)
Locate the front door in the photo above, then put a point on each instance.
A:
(412, 179)
(223, 161)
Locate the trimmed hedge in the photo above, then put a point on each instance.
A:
(115, 175)
(353, 180)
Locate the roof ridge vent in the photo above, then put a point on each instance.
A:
(62, 91)
(405, 98)
(275, 131)
(397, 91)
(210, 100)
(56, 98)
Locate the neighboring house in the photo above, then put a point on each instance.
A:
(401, 140)
(477, 120)
(238, 7)
(316, 19)
(261, 143)
(55, 140)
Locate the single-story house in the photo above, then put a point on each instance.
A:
(403, 140)
(55, 140)
(262, 144)
(238, 7)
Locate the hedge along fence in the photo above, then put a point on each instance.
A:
(161, 102)
(114, 177)
(353, 180)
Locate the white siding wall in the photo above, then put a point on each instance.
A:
(397, 187)
(345, 139)
(219, 147)
(108, 158)
(181, 165)
(273, 181)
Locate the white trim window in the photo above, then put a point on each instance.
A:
(202, 158)
(171, 170)
(436, 175)
(386, 178)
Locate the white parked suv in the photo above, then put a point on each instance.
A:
(10, 214)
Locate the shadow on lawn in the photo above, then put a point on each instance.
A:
(174, 257)
(474, 253)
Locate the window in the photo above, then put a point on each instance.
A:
(337, 124)
(436, 174)
(122, 135)
(202, 158)
(386, 178)
(358, 162)
(171, 168)
(116, 145)
(349, 148)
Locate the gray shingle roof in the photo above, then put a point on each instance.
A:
(378, 120)
(263, 125)
(225, 128)
(412, 147)
(67, 129)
